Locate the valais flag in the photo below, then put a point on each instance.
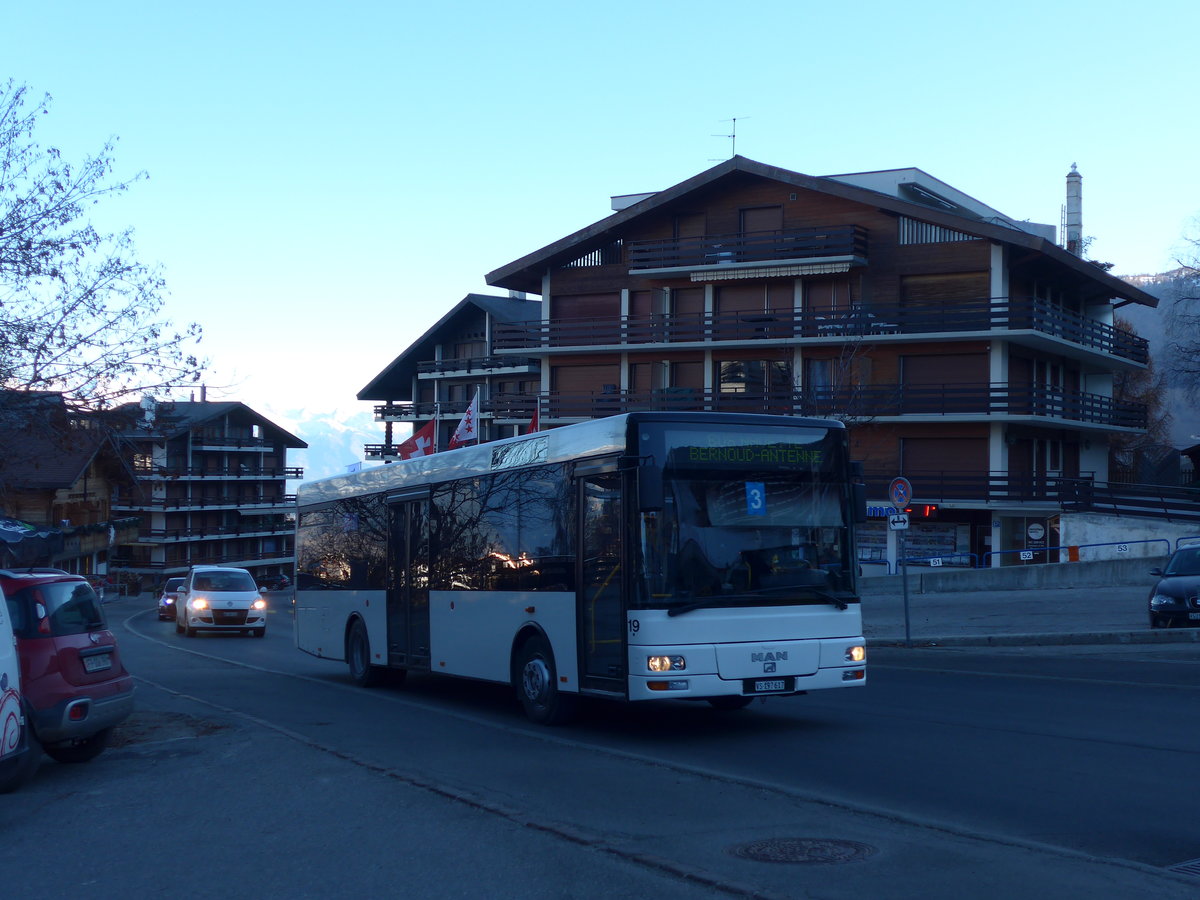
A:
(420, 444)
(533, 423)
(468, 429)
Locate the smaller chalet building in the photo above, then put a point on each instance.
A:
(210, 487)
(965, 350)
(58, 473)
(441, 373)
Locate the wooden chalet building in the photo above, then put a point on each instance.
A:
(210, 487)
(967, 351)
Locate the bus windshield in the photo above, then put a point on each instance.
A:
(742, 533)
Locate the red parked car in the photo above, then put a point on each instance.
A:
(74, 684)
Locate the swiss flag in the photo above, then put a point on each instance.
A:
(420, 444)
(468, 428)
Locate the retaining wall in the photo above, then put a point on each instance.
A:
(1134, 572)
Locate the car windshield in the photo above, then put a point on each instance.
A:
(172, 585)
(225, 582)
(1185, 562)
(68, 607)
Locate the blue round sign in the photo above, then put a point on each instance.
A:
(900, 493)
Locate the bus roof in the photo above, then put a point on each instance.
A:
(593, 438)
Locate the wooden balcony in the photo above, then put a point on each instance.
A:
(847, 242)
(966, 402)
(877, 322)
(232, 473)
(477, 365)
(187, 503)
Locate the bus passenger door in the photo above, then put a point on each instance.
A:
(408, 596)
(600, 605)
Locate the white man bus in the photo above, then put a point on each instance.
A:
(644, 556)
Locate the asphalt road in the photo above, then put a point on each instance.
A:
(251, 769)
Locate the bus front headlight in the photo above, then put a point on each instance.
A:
(856, 653)
(665, 663)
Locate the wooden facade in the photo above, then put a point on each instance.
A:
(960, 348)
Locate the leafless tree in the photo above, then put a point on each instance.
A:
(80, 314)
(1182, 297)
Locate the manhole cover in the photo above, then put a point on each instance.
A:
(804, 850)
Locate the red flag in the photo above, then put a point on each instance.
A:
(468, 429)
(533, 423)
(420, 444)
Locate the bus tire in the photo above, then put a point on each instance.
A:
(358, 656)
(537, 685)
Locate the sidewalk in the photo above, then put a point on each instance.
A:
(1114, 614)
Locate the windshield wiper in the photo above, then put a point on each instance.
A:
(837, 601)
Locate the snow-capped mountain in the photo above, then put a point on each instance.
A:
(335, 438)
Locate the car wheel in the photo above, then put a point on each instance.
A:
(189, 631)
(537, 685)
(19, 772)
(730, 703)
(358, 656)
(259, 632)
(82, 750)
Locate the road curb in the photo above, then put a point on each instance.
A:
(1166, 636)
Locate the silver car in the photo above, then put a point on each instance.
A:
(220, 598)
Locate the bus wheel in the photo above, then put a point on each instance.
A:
(730, 702)
(537, 685)
(358, 656)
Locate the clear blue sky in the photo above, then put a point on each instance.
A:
(327, 179)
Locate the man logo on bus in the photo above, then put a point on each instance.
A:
(769, 656)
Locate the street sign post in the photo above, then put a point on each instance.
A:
(900, 492)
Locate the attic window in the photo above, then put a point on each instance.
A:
(607, 255)
(913, 231)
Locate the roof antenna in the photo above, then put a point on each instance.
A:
(732, 138)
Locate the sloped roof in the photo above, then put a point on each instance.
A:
(172, 419)
(48, 459)
(525, 274)
(400, 371)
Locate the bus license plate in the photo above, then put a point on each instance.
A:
(768, 685)
(97, 663)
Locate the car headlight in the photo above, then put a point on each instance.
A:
(200, 603)
(1160, 600)
(260, 603)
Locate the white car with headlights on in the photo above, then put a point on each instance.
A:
(220, 598)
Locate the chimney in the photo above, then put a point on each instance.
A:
(1074, 219)
(204, 393)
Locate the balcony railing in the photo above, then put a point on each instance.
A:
(1079, 493)
(202, 502)
(211, 440)
(230, 472)
(767, 246)
(979, 401)
(161, 535)
(983, 315)
(480, 364)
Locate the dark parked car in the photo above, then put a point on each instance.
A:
(75, 687)
(167, 598)
(1175, 599)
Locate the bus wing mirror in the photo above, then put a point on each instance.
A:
(649, 490)
(858, 497)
